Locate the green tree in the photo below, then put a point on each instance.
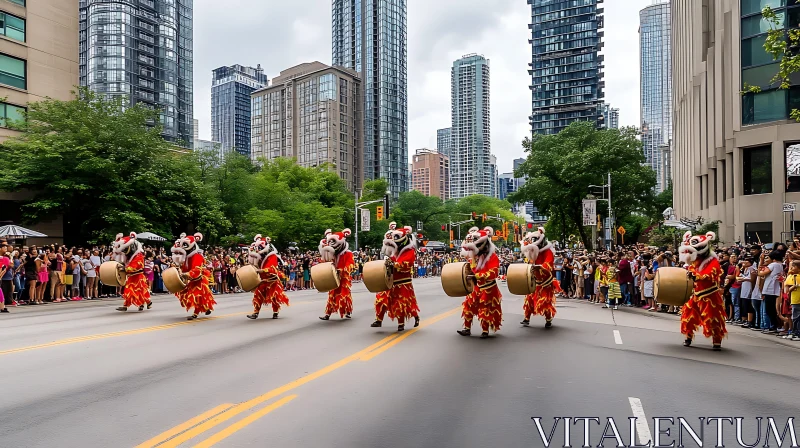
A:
(105, 167)
(561, 167)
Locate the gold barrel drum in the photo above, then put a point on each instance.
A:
(521, 281)
(672, 286)
(455, 279)
(248, 278)
(378, 276)
(112, 273)
(325, 277)
(173, 280)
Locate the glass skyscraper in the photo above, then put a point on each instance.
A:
(370, 37)
(230, 105)
(471, 170)
(565, 69)
(443, 141)
(656, 85)
(142, 50)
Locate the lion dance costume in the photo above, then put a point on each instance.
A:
(264, 256)
(334, 248)
(400, 246)
(542, 301)
(197, 294)
(707, 306)
(128, 251)
(485, 299)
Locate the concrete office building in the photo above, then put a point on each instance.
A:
(566, 69)
(735, 157)
(610, 116)
(142, 50)
(196, 129)
(371, 37)
(470, 151)
(430, 173)
(655, 75)
(443, 141)
(230, 105)
(311, 112)
(38, 60)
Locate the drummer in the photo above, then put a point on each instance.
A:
(188, 257)
(541, 255)
(485, 300)
(334, 249)
(706, 308)
(400, 248)
(128, 251)
(264, 256)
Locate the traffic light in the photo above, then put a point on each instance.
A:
(474, 216)
(380, 213)
(386, 205)
(444, 227)
(530, 226)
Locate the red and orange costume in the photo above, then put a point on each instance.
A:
(707, 305)
(542, 301)
(334, 248)
(270, 291)
(128, 251)
(400, 301)
(486, 299)
(197, 295)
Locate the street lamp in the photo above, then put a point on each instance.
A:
(358, 206)
(610, 210)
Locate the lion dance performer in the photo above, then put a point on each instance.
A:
(540, 254)
(129, 251)
(197, 295)
(400, 247)
(485, 300)
(334, 248)
(707, 306)
(264, 256)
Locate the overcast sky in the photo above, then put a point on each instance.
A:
(278, 34)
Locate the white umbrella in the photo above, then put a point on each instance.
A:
(149, 237)
(16, 232)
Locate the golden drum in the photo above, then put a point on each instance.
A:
(521, 281)
(672, 286)
(111, 275)
(455, 281)
(378, 276)
(248, 277)
(173, 280)
(325, 277)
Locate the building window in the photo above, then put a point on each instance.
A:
(764, 107)
(10, 114)
(793, 168)
(755, 6)
(12, 72)
(757, 170)
(12, 27)
(19, 2)
(758, 232)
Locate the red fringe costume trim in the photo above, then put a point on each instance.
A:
(341, 299)
(400, 303)
(708, 312)
(137, 290)
(271, 290)
(197, 295)
(485, 302)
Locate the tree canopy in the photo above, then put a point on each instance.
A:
(560, 169)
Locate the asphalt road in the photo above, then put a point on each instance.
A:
(84, 375)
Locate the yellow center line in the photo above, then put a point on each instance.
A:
(241, 424)
(377, 351)
(184, 426)
(242, 407)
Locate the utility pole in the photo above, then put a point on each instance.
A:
(611, 210)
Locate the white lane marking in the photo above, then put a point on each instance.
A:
(641, 421)
(617, 337)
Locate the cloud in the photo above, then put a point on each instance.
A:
(280, 34)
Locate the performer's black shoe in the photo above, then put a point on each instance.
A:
(274, 315)
(464, 332)
(192, 317)
(485, 335)
(687, 342)
(208, 313)
(717, 347)
(525, 322)
(141, 307)
(401, 327)
(122, 308)
(416, 322)
(348, 316)
(548, 324)
(252, 316)
(149, 305)
(376, 324)
(325, 317)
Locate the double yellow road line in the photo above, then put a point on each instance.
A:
(220, 414)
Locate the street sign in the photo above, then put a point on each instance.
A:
(419, 226)
(589, 212)
(621, 230)
(789, 207)
(365, 220)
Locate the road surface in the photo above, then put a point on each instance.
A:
(84, 375)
